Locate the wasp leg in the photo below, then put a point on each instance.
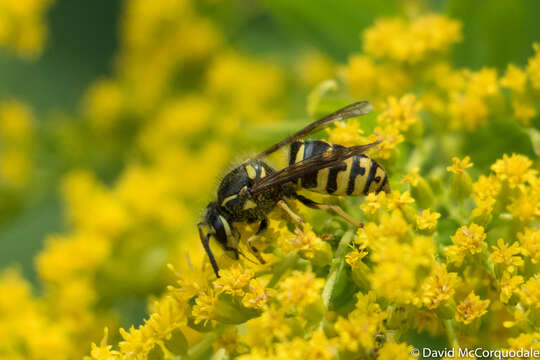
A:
(297, 219)
(206, 244)
(339, 211)
(251, 240)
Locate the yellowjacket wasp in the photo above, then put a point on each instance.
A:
(250, 191)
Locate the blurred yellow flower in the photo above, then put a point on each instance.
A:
(514, 79)
(459, 166)
(411, 42)
(514, 170)
(471, 308)
(427, 220)
(507, 255)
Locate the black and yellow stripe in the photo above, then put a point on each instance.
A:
(357, 175)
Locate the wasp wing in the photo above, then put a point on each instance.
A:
(327, 159)
(352, 110)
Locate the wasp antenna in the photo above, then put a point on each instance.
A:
(206, 244)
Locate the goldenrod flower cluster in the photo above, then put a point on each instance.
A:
(451, 254)
(16, 137)
(22, 26)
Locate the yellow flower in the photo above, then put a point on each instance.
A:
(320, 347)
(508, 285)
(346, 133)
(467, 111)
(526, 341)
(467, 240)
(22, 26)
(394, 281)
(393, 351)
(506, 255)
(272, 324)
(257, 295)
(520, 316)
(533, 67)
(427, 220)
(530, 244)
(205, 307)
(359, 330)
(524, 111)
(391, 225)
(66, 257)
(459, 166)
(411, 42)
(471, 308)
(300, 290)
(102, 104)
(530, 292)
(514, 79)
(306, 242)
(390, 137)
(486, 187)
(361, 74)
(372, 203)
(103, 351)
(484, 83)
(233, 280)
(16, 122)
(438, 288)
(398, 200)
(400, 113)
(513, 170)
(15, 168)
(525, 206)
(412, 178)
(355, 256)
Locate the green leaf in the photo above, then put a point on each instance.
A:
(156, 353)
(177, 344)
(229, 310)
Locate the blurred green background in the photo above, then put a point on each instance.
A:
(83, 38)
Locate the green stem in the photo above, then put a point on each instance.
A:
(451, 332)
(337, 265)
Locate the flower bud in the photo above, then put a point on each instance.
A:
(481, 216)
(461, 186)
(422, 193)
(360, 273)
(409, 213)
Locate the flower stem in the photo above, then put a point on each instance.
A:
(451, 332)
(337, 265)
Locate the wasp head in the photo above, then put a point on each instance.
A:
(216, 223)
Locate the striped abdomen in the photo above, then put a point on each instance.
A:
(358, 175)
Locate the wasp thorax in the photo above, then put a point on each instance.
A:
(234, 196)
